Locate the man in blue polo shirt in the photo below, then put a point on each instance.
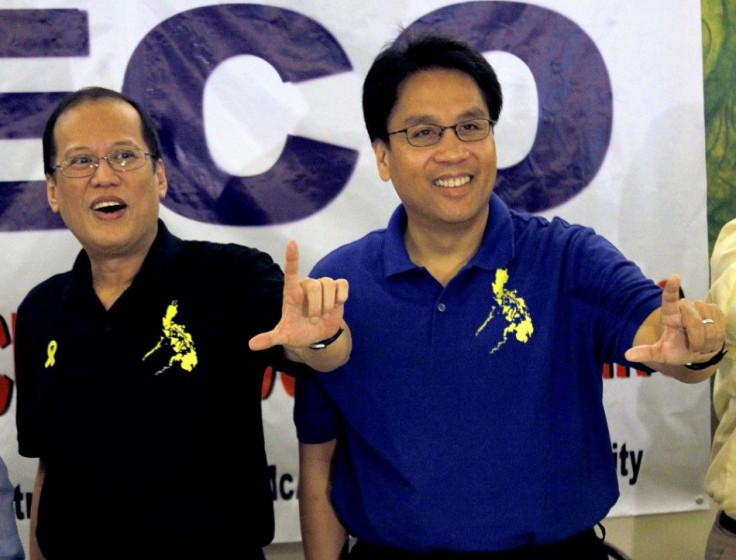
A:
(139, 371)
(469, 420)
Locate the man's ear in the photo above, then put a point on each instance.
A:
(51, 193)
(163, 182)
(383, 157)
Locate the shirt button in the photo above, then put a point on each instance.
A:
(441, 307)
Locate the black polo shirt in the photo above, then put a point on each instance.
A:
(148, 415)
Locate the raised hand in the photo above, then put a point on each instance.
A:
(312, 308)
(688, 331)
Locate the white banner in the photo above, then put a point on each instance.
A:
(602, 124)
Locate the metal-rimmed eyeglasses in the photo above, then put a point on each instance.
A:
(85, 165)
(471, 130)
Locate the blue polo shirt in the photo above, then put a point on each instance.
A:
(470, 416)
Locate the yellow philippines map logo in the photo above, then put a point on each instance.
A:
(513, 309)
(178, 339)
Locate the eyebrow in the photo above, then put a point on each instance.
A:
(116, 146)
(430, 119)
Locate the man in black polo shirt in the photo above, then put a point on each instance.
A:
(139, 371)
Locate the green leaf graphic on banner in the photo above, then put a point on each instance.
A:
(719, 73)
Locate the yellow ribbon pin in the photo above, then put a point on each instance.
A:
(51, 352)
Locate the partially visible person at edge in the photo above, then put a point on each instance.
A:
(11, 547)
(720, 481)
(139, 371)
(469, 421)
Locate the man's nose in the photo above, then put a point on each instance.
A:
(450, 145)
(104, 171)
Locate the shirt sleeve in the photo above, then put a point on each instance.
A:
(29, 442)
(10, 545)
(723, 293)
(315, 416)
(719, 481)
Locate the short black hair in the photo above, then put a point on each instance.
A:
(93, 93)
(411, 53)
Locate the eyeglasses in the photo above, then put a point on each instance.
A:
(422, 135)
(85, 165)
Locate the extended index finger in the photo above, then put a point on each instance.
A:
(670, 296)
(291, 265)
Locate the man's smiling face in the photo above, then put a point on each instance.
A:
(448, 183)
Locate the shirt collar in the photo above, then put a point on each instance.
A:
(496, 250)
(161, 256)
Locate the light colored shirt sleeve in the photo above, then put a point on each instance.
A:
(719, 481)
